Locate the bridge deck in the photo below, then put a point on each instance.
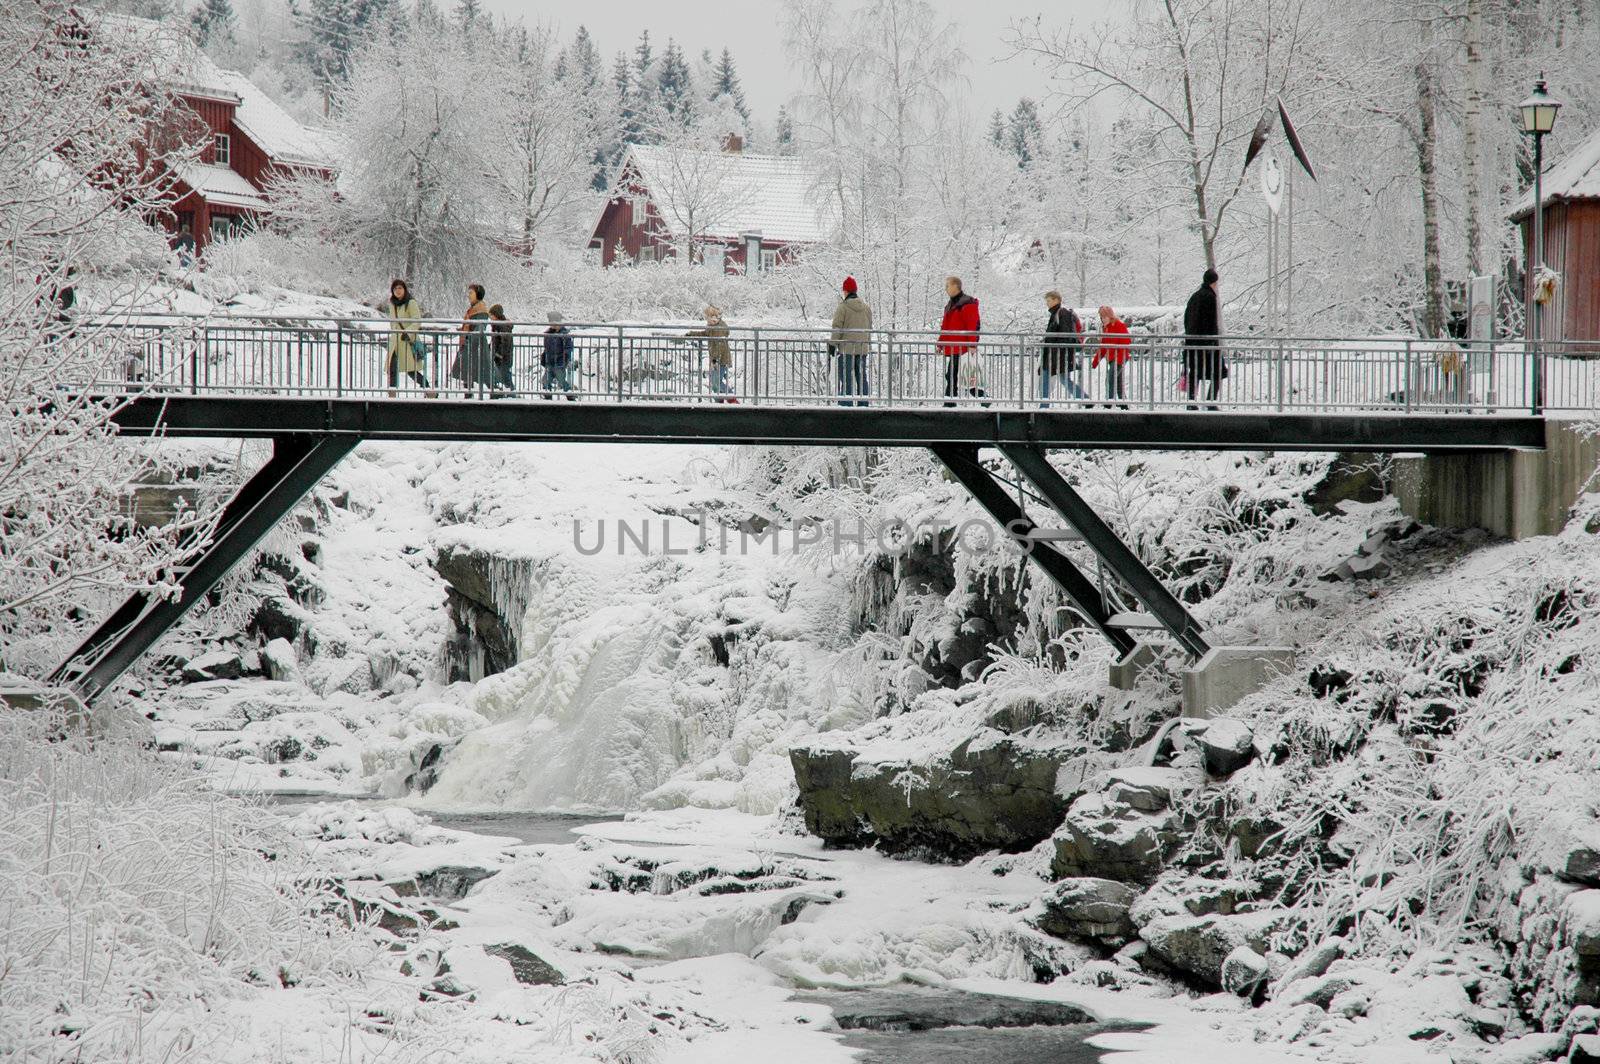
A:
(458, 420)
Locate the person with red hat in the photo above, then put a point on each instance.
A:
(850, 343)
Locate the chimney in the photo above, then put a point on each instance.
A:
(733, 144)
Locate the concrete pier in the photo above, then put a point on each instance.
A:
(1227, 674)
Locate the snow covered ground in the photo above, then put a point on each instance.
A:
(672, 686)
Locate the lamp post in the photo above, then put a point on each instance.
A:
(1538, 119)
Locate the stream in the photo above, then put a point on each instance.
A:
(896, 1025)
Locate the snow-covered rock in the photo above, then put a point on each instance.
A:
(278, 658)
(1198, 946)
(1086, 909)
(1243, 971)
(1226, 745)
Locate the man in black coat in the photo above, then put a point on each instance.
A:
(1058, 353)
(1202, 355)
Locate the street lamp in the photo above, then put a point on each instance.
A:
(1538, 119)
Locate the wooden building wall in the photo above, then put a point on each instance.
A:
(1571, 249)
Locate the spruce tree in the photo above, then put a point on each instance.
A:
(784, 132)
(213, 23)
(674, 86)
(1025, 132)
(725, 82)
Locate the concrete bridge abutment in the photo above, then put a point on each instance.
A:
(1516, 494)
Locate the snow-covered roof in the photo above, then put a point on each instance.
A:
(221, 186)
(1575, 177)
(278, 133)
(772, 194)
(173, 56)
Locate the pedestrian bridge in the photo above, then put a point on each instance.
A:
(317, 388)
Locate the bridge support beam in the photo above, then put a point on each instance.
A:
(962, 461)
(296, 465)
(1112, 552)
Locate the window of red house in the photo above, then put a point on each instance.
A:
(221, 149)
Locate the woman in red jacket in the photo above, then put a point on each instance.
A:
(1114, 348)
(958, 334)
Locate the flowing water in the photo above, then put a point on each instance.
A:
(525, 826)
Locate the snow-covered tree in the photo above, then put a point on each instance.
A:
(549, 135)
(214, 23)
(333, 31)
(75, 190)
(1197, 74)
(725, 86)
(673, 95)
(417, 194)
(783, 133)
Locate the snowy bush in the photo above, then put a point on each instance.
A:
(133, 897)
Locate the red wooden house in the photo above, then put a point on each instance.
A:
(731, 210)
(250, 139)
(1571, 243)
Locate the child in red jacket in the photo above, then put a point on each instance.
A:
(1114, 349)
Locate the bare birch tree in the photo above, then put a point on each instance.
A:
(1197, 74)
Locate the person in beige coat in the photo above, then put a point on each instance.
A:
(406, 349)
(718, 353)
(850, 343)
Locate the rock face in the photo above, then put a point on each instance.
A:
(1088, 910)
(1125, 831)
(992, 792)
(487, 596)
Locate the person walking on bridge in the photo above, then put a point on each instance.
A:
(1114, 350)
(850, 343)
(718, 352)
(1058, 354)
(1202, 353)
(407, 352)
(474, 366)
(556, 358)
(958, 336)
(502, 344)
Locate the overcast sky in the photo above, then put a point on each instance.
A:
(750, 28)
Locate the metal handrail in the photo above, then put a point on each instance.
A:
(799, 365)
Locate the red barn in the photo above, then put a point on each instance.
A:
(732, 210)
(251, 142)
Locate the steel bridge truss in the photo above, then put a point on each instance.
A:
(1030, 462)
(296, 465)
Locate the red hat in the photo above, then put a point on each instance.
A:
(849, 284)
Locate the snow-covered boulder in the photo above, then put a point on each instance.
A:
(1087, 909)
(214, 665)
(278, 658)
(1198, 946)
(1226, 746)
(1243, 971)
(1127, 830)
(991, 791)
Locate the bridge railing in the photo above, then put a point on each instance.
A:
(793, 366)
